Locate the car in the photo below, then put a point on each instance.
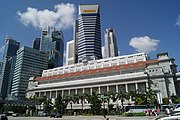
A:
(171, 116)
(42, 114)
(174, 117)
(3, 117)
(177, 107)
(55, 115)
(15, 114)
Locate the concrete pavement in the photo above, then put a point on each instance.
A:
(83, 118)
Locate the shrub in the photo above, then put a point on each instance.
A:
(134, 114)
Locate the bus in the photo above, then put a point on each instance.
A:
(138, 108)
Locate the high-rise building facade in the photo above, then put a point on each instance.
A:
(36, 43)
(29, 62)
(43, 33)
(70, 53)
(53, 44)
(75, 38)
(11, 62)
(110, 44)
(11, 47)
(89, 33)
(72, 46)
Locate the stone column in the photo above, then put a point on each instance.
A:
(62, 93)
(126, 87)
(56, 93)
(117, 91)
(69, 92)
(91, 90)
(136, 86)
(75, 91)
(107, 88)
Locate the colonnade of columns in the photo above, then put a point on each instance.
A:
(141, 86)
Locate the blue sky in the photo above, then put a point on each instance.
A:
(152, 26)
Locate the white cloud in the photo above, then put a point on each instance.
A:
(62, 17)
(144, 44)
(178, 20)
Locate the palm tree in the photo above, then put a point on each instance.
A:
(122, 96)
(48, 105)
(82, 97)
(151, 96)
(95, 103)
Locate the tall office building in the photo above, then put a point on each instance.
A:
(36, 43)
(0, 67)
(11, 62)
(29, 62)
(11, 47)
(89, 33)
(53, 44)
(110, 44)
(72, 46)
(43, 33)
(70, 53)
(75, 38)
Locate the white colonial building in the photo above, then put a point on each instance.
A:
(123, 73)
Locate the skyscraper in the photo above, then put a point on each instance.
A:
(110, 44)
(43, 33)
(36, 43)
(70, 53)
(29, 62)
(75, 38)
(53, 44)
(72, 46)
(11, 47)
(89, 33)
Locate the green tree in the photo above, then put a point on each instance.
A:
(95, 104)
(48, 106)
(175, 99)
(166, 100)
(122, 96)
(61, 103)
(151, 97)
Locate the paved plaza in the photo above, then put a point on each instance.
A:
(83, 118)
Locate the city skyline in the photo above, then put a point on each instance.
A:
(153, 23)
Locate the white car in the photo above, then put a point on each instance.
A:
(177, 107)
(169, 118)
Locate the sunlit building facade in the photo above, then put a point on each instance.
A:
(29, 62)
(110, 44)
(118, 74)
(89, 33)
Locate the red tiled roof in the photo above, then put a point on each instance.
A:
(98, 70)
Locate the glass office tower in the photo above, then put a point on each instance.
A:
(36, 43)
(11, 47)
(53, 45)
(110, 44)
(89, 33)
(29, 63)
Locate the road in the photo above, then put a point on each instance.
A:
(83, 118)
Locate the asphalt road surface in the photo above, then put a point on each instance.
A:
(83, 118)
